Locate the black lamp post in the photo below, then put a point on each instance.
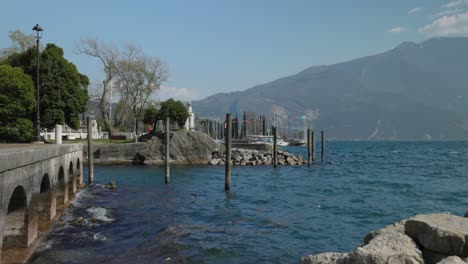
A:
(38, 34)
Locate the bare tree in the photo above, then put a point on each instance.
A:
(138, 77)
(108, 55)
(20, 41)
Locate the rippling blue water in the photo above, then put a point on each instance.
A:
(271, 215)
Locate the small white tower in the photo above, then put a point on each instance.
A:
(190, 123)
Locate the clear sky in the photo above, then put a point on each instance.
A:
(216, 46)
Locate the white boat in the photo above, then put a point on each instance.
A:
(261, 139)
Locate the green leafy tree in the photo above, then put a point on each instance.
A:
(176, 112)
(149, 115)
(63, 92)
(16, 104)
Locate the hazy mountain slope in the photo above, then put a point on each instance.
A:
(413, 91)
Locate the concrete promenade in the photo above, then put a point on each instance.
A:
(36, 181)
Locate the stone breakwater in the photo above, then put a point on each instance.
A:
(426, 238)
(187, 148)
(244, 157)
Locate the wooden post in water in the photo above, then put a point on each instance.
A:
(275, 147)
(312, 138)
(89, 122)
(309, 153)
(227, 183)
(167, 177)
(323, 145)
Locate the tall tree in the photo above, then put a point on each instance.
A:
(108, 55)
(17, 101)
(176, 111)
(138, 78)
(63, 92)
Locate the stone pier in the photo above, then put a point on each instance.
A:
(35, 182)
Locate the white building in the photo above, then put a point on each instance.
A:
(190, 123)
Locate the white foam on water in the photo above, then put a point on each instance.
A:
(80, 196)
(100, 237)
(100, 214)
(47, 244)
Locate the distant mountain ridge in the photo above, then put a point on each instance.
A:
(413, 91)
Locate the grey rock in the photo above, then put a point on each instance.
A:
(392, 247)
(290, 161)
(452, 260)
(215, 161)
(79, 221)
(111, 185)
(395, 227)
(325, 258)
(442, 233)
(431, 257)
(185, 148)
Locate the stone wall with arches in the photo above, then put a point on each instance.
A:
(35, 182)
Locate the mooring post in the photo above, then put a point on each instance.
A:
(312, 139)
(167, 178)
(275, 147)
(323, 145)
(309, 154)
(58, 134)
(227, 184)
(90, 150)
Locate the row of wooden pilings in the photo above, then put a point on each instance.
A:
(228, 145)
(228, 142)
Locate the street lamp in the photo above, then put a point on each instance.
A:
(38, 34)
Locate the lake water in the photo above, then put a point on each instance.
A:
(270, 216)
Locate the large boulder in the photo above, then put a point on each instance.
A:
(391, 247)
(442, 233)
(325, 258)
(395, 227)
(452, 260)
(185, 148)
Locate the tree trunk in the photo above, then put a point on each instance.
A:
(103, 107)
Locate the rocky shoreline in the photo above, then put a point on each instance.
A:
(244, 157)
(425, 238)
(186, 148)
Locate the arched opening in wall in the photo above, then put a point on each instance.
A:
(15, 231)
(44, 207)
(78, 172)
(71, 181)
(61, 187)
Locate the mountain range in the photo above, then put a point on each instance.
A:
(415, 91)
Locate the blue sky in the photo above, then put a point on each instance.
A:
(216, 46)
